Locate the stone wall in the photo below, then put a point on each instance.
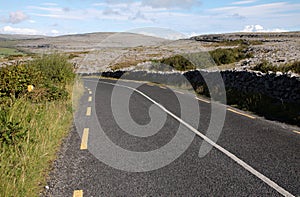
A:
(282, 87)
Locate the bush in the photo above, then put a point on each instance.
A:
(266, 66)
(14, 80)
(48, 74)
(55, 68)
(178, 62)
(228, 56)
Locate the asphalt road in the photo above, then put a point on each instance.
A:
(107, 155)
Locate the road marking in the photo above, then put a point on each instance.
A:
(203, 100)
(88, 111)
(298, 132)
(250, 169)
(178, 92)
(84, 139)
(78, 193)
(90, 99)
(243, 114)
(162, 87)
(90, 92)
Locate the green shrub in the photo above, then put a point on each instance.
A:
(55, 68)
(228, 56)
(266, 66)
(14, 80)
(178, 62)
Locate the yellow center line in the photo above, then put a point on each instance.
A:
(243, 114)
(295, 131)
(88, 111)
(84, 140)
(90, 99)
(203, 100)
(78, 193)
(90, 92)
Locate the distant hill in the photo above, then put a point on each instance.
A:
(19, 37)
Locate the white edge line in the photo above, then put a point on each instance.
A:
(250, 169)
(295, 131)
(178, 92)
(203, 100)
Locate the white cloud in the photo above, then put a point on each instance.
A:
(259, 28)
(50, 4)
(258, 10)
(15, 17)
(12, 30)
(54, 31)
(243, 2)
(179, 4)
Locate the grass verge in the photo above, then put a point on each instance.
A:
(33, 124)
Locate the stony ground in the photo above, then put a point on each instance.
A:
(103, 51)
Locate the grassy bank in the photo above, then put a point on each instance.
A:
(33, 123)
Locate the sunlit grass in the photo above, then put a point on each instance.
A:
(25, 165)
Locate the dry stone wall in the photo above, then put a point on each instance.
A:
(282, 87)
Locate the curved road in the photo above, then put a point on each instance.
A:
(252, 156)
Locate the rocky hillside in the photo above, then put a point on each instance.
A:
(96, 52)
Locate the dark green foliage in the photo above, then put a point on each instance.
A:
(260, 104)
(55, 68)
(48, 74)
(266, 66)
(11, 132)
(203, 60)
(228, 56)
(265, 106)
(178, 62)
(15, 79)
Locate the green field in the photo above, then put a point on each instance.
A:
(6, 52)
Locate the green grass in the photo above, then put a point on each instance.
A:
(266, 66)
(6, 52)
(33, 126)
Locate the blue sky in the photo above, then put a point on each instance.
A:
(189, 17)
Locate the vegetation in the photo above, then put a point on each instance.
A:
(266, 66)
(260, 104)
(32, 123)
(203, 60)
(178, 62)
(126, 64)
(228, 56)
(10, 52)
(236, 42)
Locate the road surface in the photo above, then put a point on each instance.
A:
(251, 157)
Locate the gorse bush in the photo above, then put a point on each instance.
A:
(15, 79)
(48, 74)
